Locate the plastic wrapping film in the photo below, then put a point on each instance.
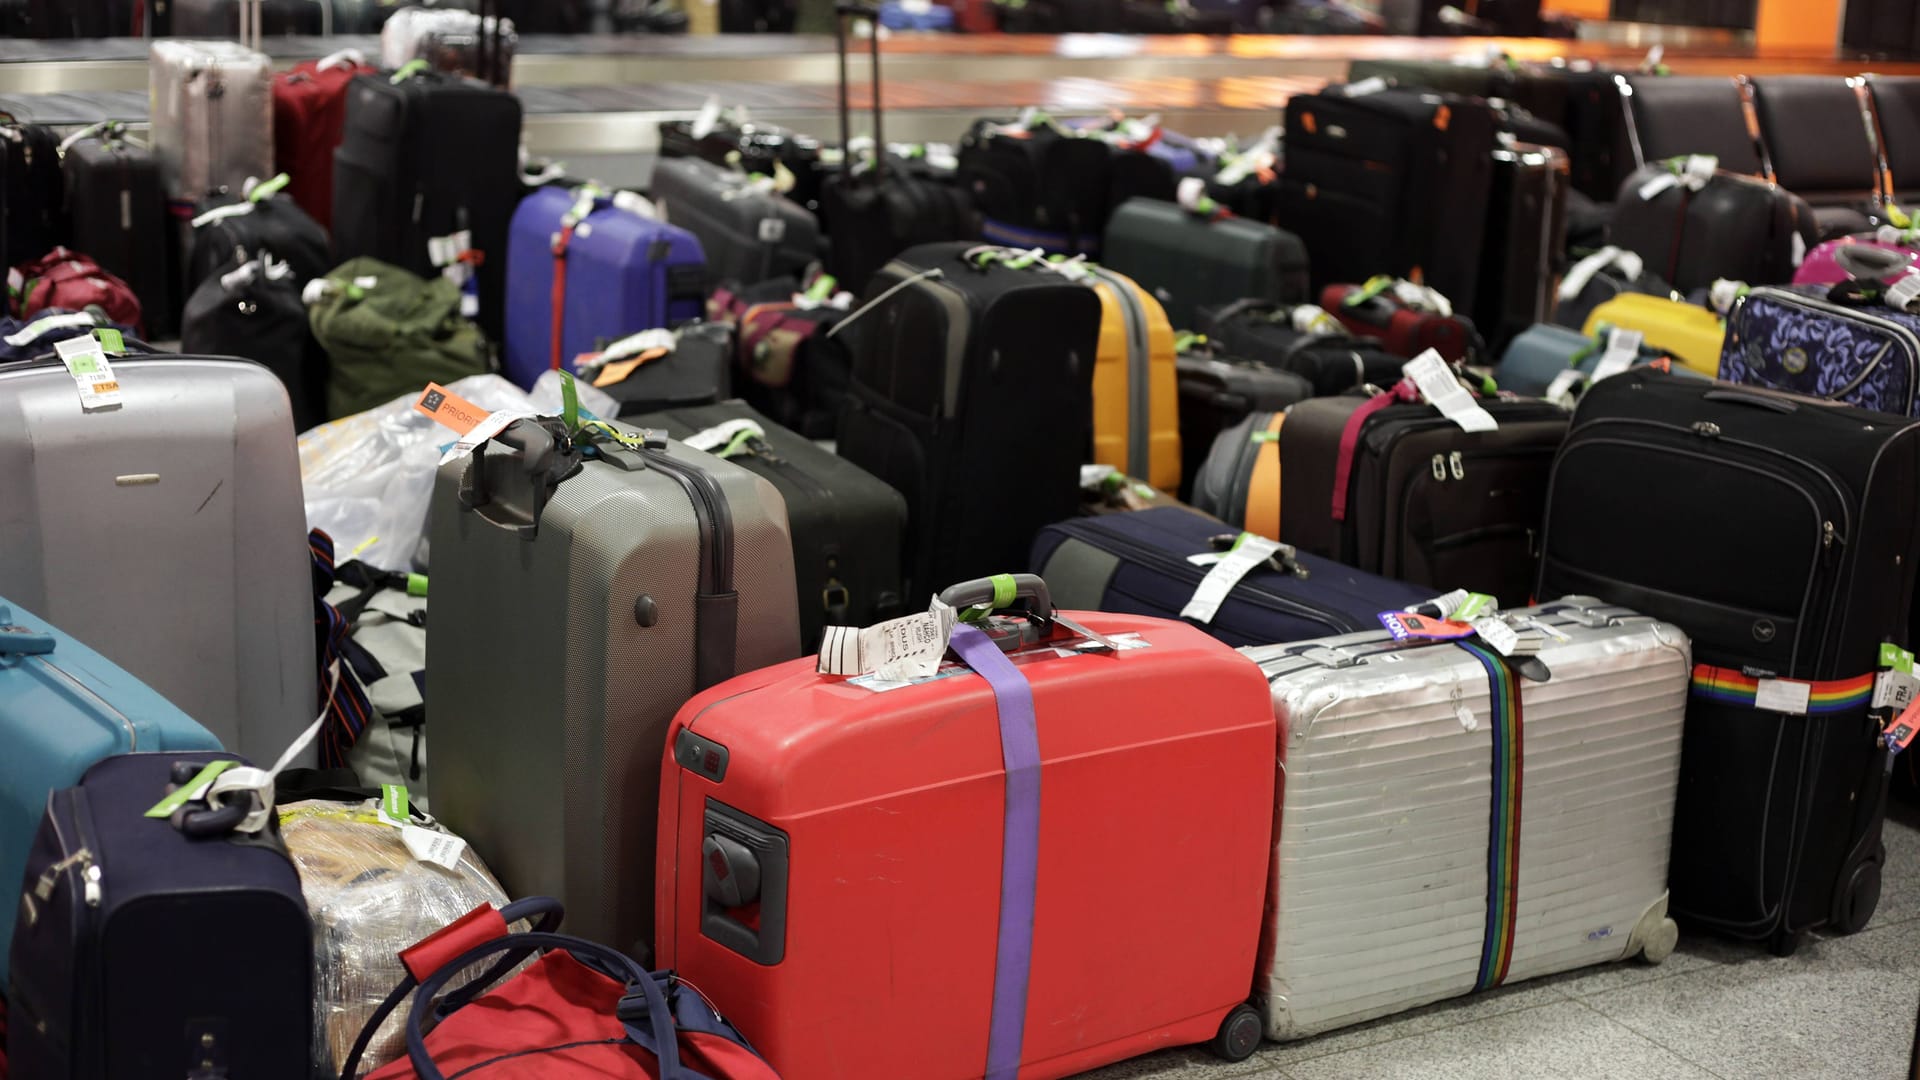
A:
(369, 898)
(368, 477)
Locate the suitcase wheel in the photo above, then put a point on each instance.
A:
(1659, 944)
(1239, 1034)
(1860, 897)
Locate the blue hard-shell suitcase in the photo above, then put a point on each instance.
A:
(149, 948)
(1537, 355)
(1138, 564)
(895, 15)
(624, 273)
(62, 708)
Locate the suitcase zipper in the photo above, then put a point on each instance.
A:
(1139, 375)
(1900, 331)
(716, 519)
(1186, 572)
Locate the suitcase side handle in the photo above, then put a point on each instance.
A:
(1761, 401)
(1000, 592)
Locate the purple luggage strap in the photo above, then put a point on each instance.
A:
(1020, 845)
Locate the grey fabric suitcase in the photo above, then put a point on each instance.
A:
(566, 636)
(168, 533)
(211, 114)
(748, 235)
(1444, 830)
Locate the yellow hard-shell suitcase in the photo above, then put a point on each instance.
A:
(1136, 405)
(1689, 333)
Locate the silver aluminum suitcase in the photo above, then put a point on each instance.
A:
(1408, 783)
(566, 637)
(169, 534)
(212, 115)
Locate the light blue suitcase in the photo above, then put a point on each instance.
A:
(64, 707)
(1541, 352)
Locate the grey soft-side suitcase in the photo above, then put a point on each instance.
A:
(572, 618)
(1188, 262)
(1449, 825)
(212, 115)
(748, 235)
(168, 533)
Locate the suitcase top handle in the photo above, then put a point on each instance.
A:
(19, 640)
(999, 593)
(842, 14)
(511, 490)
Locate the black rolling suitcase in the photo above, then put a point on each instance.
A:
(749, 231)
(33, 192)
(1390, 182)
(760, 148)
(874, 215)
(115, 902)
(1296, 338)
(847, 525)
(1190, 260)
(253, 309)
(758, 16)
(1732, 226)
(229, 229)
(424, 165)
(1218, 391)
(119, 212)
(972, 394)
(1525, 251)
(1037, 185)
(1790, 542)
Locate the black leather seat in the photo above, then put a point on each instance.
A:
(1673, 116)
(1814, 130)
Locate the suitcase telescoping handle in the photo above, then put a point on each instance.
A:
(843, 14)
(1001, 592)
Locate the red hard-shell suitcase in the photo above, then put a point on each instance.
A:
(931, 880)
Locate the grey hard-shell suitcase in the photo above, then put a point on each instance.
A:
(581, 594)
(212, 115)
(748, 235)
(168, 533)
(1451, 823)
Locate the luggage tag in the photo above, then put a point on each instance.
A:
(902, 650)
(1623, 348)
(1407, 626)
(728, 439)
(1247, 552)
(86, 360)
(1691, 172)
(1436, 382)
(34, 330)
(425, 845)
(473, 424)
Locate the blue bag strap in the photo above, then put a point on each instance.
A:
(1019, 846)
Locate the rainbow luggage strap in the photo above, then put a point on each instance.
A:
(1503, 827)
(1727, 686)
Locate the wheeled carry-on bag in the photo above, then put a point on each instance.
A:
(309, 117)
(119, 212)
(212, 122)
(749, 231)
(1838, 344)
(54, 735)
(1303, 339)
(586, 268)
(1694, 225)
(1136, 408)
(1797, 568)
(638, 576)
(1455, 820)
(847, 526)
(1142, 774)
(33, 218)
(871, 216)
(1218, 391)
(1526, 241)
(1037, 185)
(207, 598)
(1142, 564)
(972, 380)
(113, 898)
(1190, 260)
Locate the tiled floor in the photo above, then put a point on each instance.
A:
(1840, 1007)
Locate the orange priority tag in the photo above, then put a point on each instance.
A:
(449, 409)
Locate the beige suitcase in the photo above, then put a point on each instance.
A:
(211, 104)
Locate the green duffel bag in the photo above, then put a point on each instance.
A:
(388, 333)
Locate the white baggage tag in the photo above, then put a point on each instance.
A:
(220, 213)
(1495, 632)
(1366, 86)
(1623, 348)
(438, 848)
(707, 119)
(1798, 249)
(1902, 293)
(493, 424)
(31, 332)
(1314, 319)
(1435, 381)
(717, 437)
(1248, 552)
(898, 650)
(1783, 696)
(1895, 689)
(635, 203)
(86, 361)
(1560, 390)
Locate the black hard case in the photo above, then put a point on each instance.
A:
(1188, 262)
(747, 236)
(1525, 252)
(119, 212)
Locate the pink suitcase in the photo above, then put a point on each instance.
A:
(1822, 266)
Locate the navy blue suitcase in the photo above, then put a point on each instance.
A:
(1137, 564)
(157, 948)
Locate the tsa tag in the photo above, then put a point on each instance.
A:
(1783, 696)
(86, 361)
(493, 424)
(430, 846)
(1248, 552)
(1623, 348)
(1435, 381)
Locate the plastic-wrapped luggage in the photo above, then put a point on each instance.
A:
(639, 575)
(212, 115)
(119, 897)
(189, 567)
(1453, 819)
(54, 736)
(1142, 776)
(370, 896)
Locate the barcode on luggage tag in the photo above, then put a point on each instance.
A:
(948, 668)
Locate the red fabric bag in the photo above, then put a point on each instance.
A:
(563, 1016)
(1404, 330)
(72, 281)
(309, 111)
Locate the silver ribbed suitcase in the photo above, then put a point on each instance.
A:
(168, 533)
(565, 637)
(212, 115)
(1438, 836)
